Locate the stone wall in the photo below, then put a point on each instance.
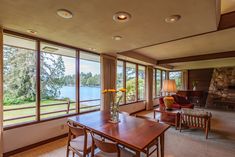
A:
(222, 88)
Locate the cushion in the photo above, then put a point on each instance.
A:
(196, 112)
(78, 142)
(123, 153)
(180, 99)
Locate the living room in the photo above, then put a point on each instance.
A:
(171, 65)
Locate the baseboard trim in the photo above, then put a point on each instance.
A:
(19, 150)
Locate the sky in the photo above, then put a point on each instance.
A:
(85, 66)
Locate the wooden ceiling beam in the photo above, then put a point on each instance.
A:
(227, 21)
(198, 57)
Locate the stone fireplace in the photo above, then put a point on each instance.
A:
(221, 92)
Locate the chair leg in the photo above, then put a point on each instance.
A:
(67, 152)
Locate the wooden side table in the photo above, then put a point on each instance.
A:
(171, 117)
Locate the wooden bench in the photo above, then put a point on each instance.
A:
(196, 120)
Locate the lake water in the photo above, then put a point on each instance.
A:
(86, 93)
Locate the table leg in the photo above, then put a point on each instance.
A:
(162, 145)
(137, 153)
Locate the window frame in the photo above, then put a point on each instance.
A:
(136, 82)
(155, 96)
(38, 64)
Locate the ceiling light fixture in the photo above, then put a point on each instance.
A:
(117, 38)
(92, 49)
(121, 17)
(64, 13)
(33, 32)
(172, 18)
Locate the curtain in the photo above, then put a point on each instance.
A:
(149, 88)
(108, 78)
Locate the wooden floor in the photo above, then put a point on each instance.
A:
(189, 143)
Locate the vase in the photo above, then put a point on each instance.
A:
(194, 88)
(114, 113)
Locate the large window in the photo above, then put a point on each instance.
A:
(141, 82)
(120, 78)
(130, 82)
(41, 80)
(19, 80)
(57, 80)
(158, 77)
(132, 77)
(89, 81)
(158, 82)
(177, 76)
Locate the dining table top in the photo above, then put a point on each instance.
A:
(131, 131)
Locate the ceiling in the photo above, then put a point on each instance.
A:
(227, 6)
(220, 41)
(92, 25)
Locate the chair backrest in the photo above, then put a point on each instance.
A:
(76, 130)
(104, 146)
(197, 121)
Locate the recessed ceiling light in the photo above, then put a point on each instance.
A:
(92, 49)
(33, 32)
(117, 38)
(65, 13)
(121, 17)
(172, 18)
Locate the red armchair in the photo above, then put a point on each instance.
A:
(180, 102)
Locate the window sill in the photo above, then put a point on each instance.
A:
(9, 127)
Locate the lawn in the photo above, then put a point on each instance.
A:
(32, 111)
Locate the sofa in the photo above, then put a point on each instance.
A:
(180, 102)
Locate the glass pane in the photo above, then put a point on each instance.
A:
(58, 80)
(130, 82)
(163, 75)
(158, 82)
(177, 76)
(89, 81)
(141, 82)
(19, 84)
(120, 82)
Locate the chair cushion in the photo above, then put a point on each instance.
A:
(78, 142)
(123, 153)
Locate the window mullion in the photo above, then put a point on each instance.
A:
(137, 85)
(124, 80)
(77, 81)
(38, 88)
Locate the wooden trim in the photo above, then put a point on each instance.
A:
(136, 82)
(124, 80)
(38, 81)
(77, 81)
(199, 57)
(227, 21)
(19, 150)
(129, 103)
(45, 40)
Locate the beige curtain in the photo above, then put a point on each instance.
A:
(149, 88)
(108, 78)
(1, 91)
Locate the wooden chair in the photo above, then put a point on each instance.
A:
(196, 121)
(154, 145)
(79, 142)
(107, 148)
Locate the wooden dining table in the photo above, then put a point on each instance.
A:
(131, 132)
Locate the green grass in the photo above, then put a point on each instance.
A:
(32, 111)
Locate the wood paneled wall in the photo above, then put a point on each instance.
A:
(203, 76)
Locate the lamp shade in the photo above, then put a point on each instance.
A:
(169, 86)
